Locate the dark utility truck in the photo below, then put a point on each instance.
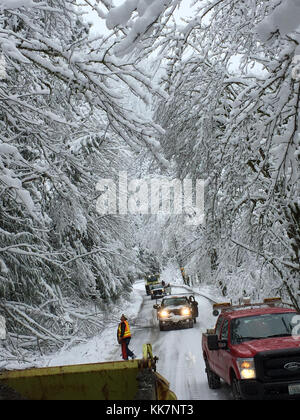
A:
(255, 348)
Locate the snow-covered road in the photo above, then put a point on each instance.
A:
(179, 351)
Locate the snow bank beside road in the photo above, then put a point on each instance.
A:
(101, 347)
(97, 349)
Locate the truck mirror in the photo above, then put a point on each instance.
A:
(213, 342)
(155, 306)
(215, 312)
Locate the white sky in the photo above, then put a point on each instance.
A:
(99, 25)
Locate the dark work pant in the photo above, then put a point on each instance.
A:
(125, 350)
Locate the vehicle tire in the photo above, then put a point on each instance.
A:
(214, 381)
(191, 324)
(235, 389)
(161, 327)
(195, 320)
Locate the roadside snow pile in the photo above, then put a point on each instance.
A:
(97, 349)
(101, 347)
(211, 292)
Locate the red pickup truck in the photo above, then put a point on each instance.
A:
(255, 348)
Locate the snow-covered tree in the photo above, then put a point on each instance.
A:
(64, 124)
(237, 127)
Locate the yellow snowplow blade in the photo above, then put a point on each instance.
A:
(163, 389)
(95, 381)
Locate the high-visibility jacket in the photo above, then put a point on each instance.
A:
(126, 333)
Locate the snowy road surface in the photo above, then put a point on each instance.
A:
(179, 351)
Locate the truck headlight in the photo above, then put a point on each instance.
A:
(186, 311)
(164, 314)
(246, 368)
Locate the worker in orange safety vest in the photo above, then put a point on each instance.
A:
(124, 337)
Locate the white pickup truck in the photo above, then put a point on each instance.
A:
(177, 311)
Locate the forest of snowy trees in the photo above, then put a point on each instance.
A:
(213, 97)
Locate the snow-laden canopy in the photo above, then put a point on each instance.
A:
(71, 113)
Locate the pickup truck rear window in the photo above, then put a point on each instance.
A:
(262, 326)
